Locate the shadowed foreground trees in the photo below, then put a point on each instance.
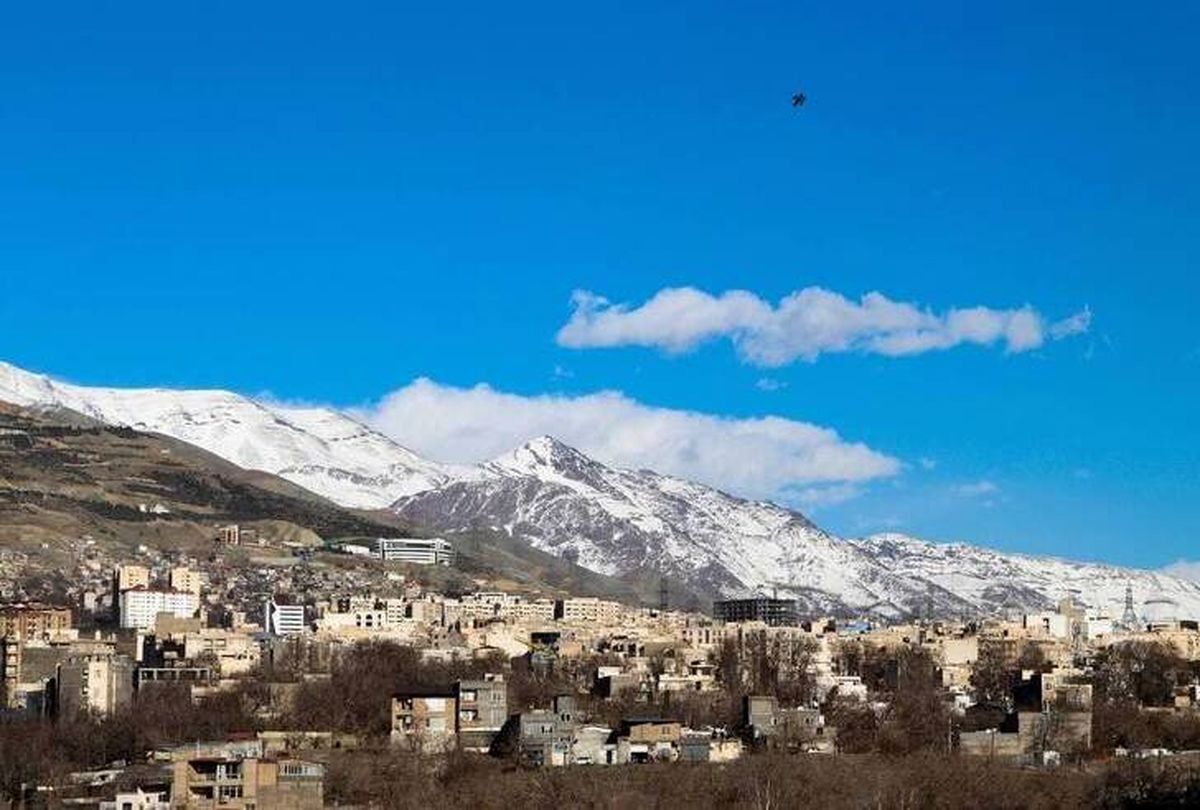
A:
(389, 779)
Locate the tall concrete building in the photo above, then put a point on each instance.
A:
(131, 576)
(185, 580)
(482, 711)
(139, 607)
(99, 684)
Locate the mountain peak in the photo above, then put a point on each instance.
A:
(542, 457)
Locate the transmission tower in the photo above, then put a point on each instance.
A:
(1129, 618)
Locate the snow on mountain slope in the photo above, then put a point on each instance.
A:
(320, 449)
(633, 523)
(625, 522)
(985, 577)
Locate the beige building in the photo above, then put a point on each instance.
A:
(235, 653)
(588, 610)
(33, 620)
(185, 580)
(425, 722)
(132, 576)
(249, 783)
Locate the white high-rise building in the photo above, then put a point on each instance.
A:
(141, 606)
(283, 620)
(416, 550)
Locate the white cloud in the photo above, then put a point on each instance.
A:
(927, 463)
(804, 325)
(976, 489)
(1077, 324)
(764, 457)
(769, 384)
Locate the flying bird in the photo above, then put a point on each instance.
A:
(798, 99)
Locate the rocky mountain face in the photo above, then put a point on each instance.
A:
(621, 522)
(635, 525)
(320, 449)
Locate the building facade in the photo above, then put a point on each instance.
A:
(482, 711)
(33, 620)
(141, 606)
(95, 684)
(425, 722)
(284, 620)
(246, 783)
(415, 550)
(773, 612)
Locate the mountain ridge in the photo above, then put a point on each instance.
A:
(630, 524)
(619, 521)
(320, 449)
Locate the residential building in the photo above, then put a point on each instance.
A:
(648, 739)
(192, 676)
(1052, 625)
(482, 711)
(772, 612)
(33, 620)
(235, 653)
(232, 782)
(547, 735)
(760, 714)
(415, 550)
(140, 606)
(186, 580)
(131, 576)
(587, 610)
(99, 684)
(283, 619)
(426, 720)
(138, 799)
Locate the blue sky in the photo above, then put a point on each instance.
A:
(329, 203)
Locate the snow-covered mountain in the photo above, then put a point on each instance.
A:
(320, 449)
(629, 523)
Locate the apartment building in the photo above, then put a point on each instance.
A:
(415, 550)
(482, 711)
(425, 721)
(140, 606)
(547, 736)
(185, 580)
(131, 576)
(33, 620)
(99, 684)
(772, 612)
(587, 610)
(232, 782)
